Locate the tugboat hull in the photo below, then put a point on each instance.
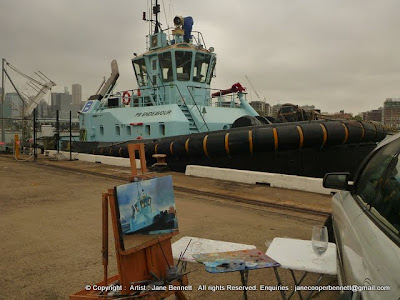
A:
(299, 148)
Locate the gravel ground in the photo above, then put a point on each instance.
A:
(50, 234)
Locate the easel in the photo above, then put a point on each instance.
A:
(132, 157)
(145, 262)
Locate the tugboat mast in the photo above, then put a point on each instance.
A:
(156, 10)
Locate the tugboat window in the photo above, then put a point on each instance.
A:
(128, 130)
(183, 65)
(140, 71)
(211, 74)
(101, 130)
(201, 64)
(117, 130)
(166, 66)
(162, 129)
(147, 129)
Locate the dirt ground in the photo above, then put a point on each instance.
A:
(50, 222)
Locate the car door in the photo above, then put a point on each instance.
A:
(378, 234)
(360, 242)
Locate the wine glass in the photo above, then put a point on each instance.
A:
(319, 242)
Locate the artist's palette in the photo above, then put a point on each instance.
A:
(221, 262)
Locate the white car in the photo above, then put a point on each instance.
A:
(366, 224)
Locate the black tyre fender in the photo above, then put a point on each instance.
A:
(263, 120)
(246, 121)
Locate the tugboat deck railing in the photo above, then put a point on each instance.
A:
(168, 90)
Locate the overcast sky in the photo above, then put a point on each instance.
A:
(334, 54)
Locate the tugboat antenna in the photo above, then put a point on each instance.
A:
(156, 11)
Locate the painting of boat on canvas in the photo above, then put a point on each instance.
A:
(147, 207)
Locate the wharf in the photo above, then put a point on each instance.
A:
(240, 193)
(50, 215)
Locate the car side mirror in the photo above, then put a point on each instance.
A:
(338, 180)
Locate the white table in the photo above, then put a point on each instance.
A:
(184, 249)
(298, 255)
(198, 246)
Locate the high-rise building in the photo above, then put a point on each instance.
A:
(268, 109)
(340, 115)
(61, 102)
(7, 109)
(16, 104)
(76, 94)
(275, 109)
(373, 115)
(391, 113)
(42, 109)
(259, 106)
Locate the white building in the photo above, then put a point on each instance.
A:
(76, 94)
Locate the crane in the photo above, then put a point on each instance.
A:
(255, 91)
(41, 87)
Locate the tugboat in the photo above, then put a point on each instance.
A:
(174, 111)
(174, 95)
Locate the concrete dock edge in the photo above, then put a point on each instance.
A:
(107, 160)
(307, 184)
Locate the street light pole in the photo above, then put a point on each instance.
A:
(3, 91)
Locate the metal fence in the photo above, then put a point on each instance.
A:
(36, 134)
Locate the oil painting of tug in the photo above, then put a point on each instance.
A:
(147, 207)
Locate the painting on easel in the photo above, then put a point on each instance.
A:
(147, 207)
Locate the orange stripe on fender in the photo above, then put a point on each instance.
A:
(275, 138)
(187, 145)
(205, 145)
(171, 150)
(155, 149)
(325, 134)
(301, 136)
(346, 133)
(227, 143)
(363, 130)
(251, 141)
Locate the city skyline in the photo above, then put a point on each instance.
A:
(333, 53)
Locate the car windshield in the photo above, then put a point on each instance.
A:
(386, 203)
(374, 170)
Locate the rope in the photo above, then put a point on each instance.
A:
(29, 158)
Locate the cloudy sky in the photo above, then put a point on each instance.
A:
(334, 54)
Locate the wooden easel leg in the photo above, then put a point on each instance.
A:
(105, 234)
(132, 158)
(142, 156)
